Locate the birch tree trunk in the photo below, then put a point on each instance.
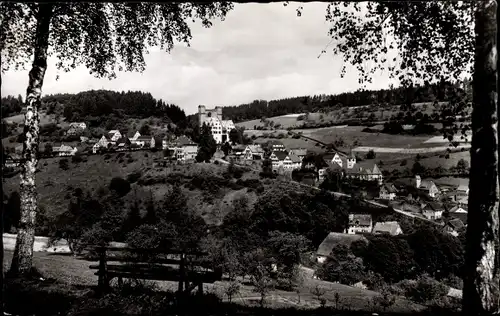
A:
(23, 253)
(482, 273)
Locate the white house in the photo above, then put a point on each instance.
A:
(299, 152)
(359, 223)
(144, 141)
(213, 119)
(64, 150)
(432, 211)
(277, 158)
(392, 228)
(388, 192)
(135, 136)
(291, 162)
(253, 152)
(428, 186)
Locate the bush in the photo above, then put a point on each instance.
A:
(426, 289)
(77, 158)
(120, 186)
(370, 154)
(63, 164)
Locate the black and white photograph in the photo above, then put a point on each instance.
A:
(250, 158)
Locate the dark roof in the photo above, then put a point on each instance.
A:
(281, 155)
(456, 224)
(365, 167)
(360, 219)
(185, 141)
(386, 227)
(334, 239)
(299, 151)
(144, 138)
(294, 158)
(426, 184)
(433, 206)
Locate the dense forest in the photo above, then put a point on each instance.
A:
(396, 96)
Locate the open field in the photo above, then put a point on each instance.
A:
(75, 272)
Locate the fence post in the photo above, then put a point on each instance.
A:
(103, 283)
(181, 275)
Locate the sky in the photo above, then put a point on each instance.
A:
(260, 51)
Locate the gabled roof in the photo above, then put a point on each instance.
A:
(281, 155)
(123, 140)
(334, 239)
(458, 209)
(364, 167)
(274, 142)
(62, 148)
(256, 149)
(386, 227)
(113, 131)
(426, 185)
(433, 206)
(185, 141)
(360, 219)
(294, 158)
(455, 224)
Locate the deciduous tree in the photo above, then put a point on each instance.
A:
(104, 37)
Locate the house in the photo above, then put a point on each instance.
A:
(253, 152)
(64, 150)
(144, 141)
(427, 186)
(368, 171)
(391, 228)
(277, 158)
(84, 139)
(291, 162)
(334, 239)
(213, 119)
(114, 135)
(454, 227)
(459, 212)
(388, 192)
(432, 210)
(123, 144)
(461, 192)
(186, 149)
(167, 142)
(299, 152)
(76, 128)
(359, 223)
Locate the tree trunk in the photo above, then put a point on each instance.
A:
(23, 253)
(482, 274)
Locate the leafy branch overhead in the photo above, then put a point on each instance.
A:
(381, 36)
(104, 37)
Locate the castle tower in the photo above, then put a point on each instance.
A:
(218, 110)
(202, 114)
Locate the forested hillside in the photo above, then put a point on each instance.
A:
(323, 103)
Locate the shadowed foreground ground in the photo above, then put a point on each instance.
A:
(64, 285)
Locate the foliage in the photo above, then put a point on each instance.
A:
(342, 266)
(385, 299)
(11, 105)
(232, 289)
(267, 168)
(120, 186)
(370, 154)
(11, 211)
(319, 293)
(226, 148)
(426, 289)
(287, 249)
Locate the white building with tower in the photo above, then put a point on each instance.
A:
(213, 118)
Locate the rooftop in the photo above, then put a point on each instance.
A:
(387, 227)
(360, 219)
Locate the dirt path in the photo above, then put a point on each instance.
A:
(408, 150)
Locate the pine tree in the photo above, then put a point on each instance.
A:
(207, 145)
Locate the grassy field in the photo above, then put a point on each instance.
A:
(74, 272)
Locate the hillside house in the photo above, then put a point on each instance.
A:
(219, 127)
(334, 239)
(114, 135)
(454, 227)
(389, 228)
(461, 192)
(427, 186)
(76, 128)
(365, 171)
(432, 210)
(253, 152)
(299, 152)
(291, 162)
(321, 174)
(388, 192)
(144, 141)
(185, 149)
(64, 150)
(123, 144)
(359, 223)
(459, 212)
(277, 158)
(84, 139)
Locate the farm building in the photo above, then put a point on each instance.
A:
(359, 223)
